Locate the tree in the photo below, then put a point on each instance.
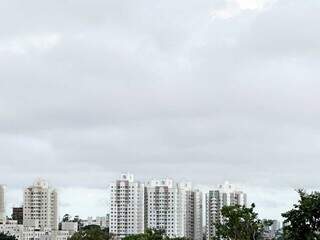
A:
(152, 234)
(303, 221)
(91, 232)
(66, 218)
(240, 223)
(7, 237)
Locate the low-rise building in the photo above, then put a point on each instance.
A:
(21, 232)
(71, 227)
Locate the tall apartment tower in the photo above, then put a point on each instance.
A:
(194, 214)
(175, 208)
(2, 204)
(225, 195)
(40, 208)
(127, 206)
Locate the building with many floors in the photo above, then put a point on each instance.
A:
(2, 204)
(126, 206)
(161, 204)
(173, 207)
(224, 195)
(40, 208)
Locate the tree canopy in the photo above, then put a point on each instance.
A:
(239, 223)
(91, 232)
(7, 237)
(151, 234)
(303, 221)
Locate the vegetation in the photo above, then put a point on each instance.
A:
(240, 223)
(7, 237)
(91, 232)
(303, 221)
(151, 234)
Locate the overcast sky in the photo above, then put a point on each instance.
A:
(198, 90)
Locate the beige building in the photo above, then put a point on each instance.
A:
(40, 208)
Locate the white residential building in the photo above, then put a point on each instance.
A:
(102, 222)
(225, 195)
(12, 228)
(2, 204)
(126, 206)
(40, 208)
(195, 229)
(175, 208)
(71, 227)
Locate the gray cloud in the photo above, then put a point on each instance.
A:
(197, 90)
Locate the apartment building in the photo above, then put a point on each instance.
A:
(174, 207)
(2, 204)
(224, 195)
(159, 204)
(127, 206)
(40, 208)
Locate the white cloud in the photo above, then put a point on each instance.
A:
(232, 8)
(28, 43)
(91, 89)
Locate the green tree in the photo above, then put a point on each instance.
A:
(240, 223)
(66, 218)
(7, 237)
(151, 234)
(91, 232)
(303, 221)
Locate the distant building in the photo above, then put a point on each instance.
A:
(17, 214)
(270, 232)
(21, 232)
(102, 222)
(173, 207)
(71, 227)
(40, 208)
(225, 195)
(2, 204)
(126, 206)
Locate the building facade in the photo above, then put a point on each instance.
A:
(225, 195)
(12, 228)
(159, 204)
(17, 214)
(102, 222)
(126, 206)
(40, 208)
(2, 204)
(174, 208)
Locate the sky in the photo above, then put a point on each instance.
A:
(206, 91)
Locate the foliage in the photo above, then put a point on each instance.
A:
(240, 223)
(66, 218)
(303, 221)
(91, 232)
(7, 237)
(151, 234)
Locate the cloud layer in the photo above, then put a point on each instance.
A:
(205, 91)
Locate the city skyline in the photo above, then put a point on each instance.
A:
(205, 91)
(99, 206)
(177, 208)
